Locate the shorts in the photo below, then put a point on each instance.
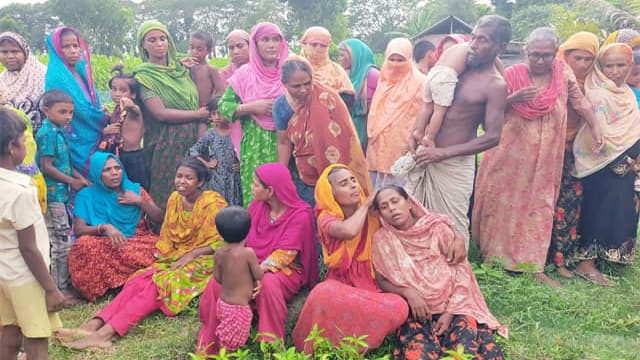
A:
(135, 165)
(234, 325)
(25, 306)
(441, 85)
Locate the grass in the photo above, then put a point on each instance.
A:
(578, 321)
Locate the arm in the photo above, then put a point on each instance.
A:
(192, 255)
(582, 106)
(80, 227)
(348, 228)
(218, 83)
(285, 148)
(418, 306)
(435, 124)
(216, 268)
(152, 210)
(229, 105)
(160, 112)
(254, 266)
(50, 171)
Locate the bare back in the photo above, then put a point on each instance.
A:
(236, 269)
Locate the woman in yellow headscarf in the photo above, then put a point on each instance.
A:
(630, 37)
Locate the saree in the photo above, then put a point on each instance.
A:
(88, 120)
(325, 71)
(23, 88)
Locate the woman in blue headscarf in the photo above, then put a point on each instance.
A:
(114, 240)
(357, 59)
(69, 70)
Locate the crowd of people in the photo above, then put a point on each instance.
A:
(371, 173)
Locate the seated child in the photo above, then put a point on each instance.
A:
(237, 271)
(215, 150)
(123, 134)
(29, 297)
(54, 160)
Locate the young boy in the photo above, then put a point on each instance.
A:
(237, 271)
(54, 159)
(29, 297)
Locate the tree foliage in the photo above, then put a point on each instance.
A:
(327, 13)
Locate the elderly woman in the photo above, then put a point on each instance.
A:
(113, 239)
(395, 105)
(185, 263)
(410, 256)
(282, 235)
(519, 180)
(69, 70)
(343, 304)
(579, 52)
(321, 115)
(609, 222)
(357, 59)
(630, 37)
(249, 100)
(22, 80)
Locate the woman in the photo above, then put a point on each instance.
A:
(447, 42)
(579, 52)
(609, 220)
(170, 100)
(282, 235)
(320, 115)
(185, 263)
(398, 98)
(348, 302)
(357, 59)
(412, 238)
(630, 37)
(113, 239)
(22, 80)
(519, 180)
(238, 45)
(249, 100)
(69, 70)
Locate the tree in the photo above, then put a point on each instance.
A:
(564, 20)
(328, 13)
(611, 15)
(7, 23)
(37, 21)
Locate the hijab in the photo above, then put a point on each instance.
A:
(325, 71)
(584, 41)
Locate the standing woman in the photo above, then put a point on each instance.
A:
(171, 113)
(579, 52)
(609, 219)
(69, 70)
(22, 80)
(357, 59)
(396, 103)
(249, 100)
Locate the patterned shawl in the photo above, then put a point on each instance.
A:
(325, 71)
(518, 78)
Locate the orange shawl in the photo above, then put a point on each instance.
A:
(325, 71)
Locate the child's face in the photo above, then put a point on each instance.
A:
(70, 48)
(18, 150)
(615, 66)
(120, 89)
(198, 49)
(217, 119)
(59, 113)
(634, 77)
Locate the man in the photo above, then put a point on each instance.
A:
(424, 55)
(444, 175)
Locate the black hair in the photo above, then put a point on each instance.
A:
(192, 162)
(67, 31)
(11, 128)
(260, 180)
(203, 36)
(212, 105)
(636, 57)
(500, 25)
(399, 189)
(233, 224)
(53, 97)
(292, 66)
(421, 49)
(131, 81)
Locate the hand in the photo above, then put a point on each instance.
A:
(189, 62)
(184, 260)
(523, 95)
(116, 237)
(598, 138)
(443, 323)
(202, 115)
(112, 129)
(412, 142)
(418, 306)
(457, 251)
(211, 164)
(428, 142)
(235, 167)
(130, 198)
(128, 104)
(78, 183)
(262, 107)
(54, 300)
(426, 156)
(368, 202)
(256, 289)
(105, 110)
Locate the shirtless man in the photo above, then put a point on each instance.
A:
(443, 177)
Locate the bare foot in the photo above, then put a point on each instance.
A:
(595, 277)
(564, 272)
(96, 340)
(70, 335)
(543, 278)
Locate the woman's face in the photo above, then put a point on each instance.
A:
(344, 57)
(11, 55)
(269, 49)
(260, 192)
(112, 174)
(70, 48)
(239, 50)
(156, 43)
(187, 182)
(579, 61)
(299, 85)
(395, 209)
(540, 54)
(615, 66)
(345, 186)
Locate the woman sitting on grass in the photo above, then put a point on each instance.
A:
(185, 263)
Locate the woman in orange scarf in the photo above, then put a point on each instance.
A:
(342, 304)
(395, 105)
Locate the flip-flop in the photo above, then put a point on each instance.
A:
(596, 278)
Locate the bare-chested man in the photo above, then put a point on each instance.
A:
(443, 177)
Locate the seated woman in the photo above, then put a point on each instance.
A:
(185, 263)
(282, 235)
(410, 255)
(348, 302)
(114, 240)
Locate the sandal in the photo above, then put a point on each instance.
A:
(594, 277)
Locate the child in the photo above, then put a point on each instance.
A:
(215, 150)
(237, 271)
(54, 159)
(206, 77)
(634, 77)
(29, 297)
(123, 134)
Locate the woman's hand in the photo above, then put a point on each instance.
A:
(598, 137)
(116, 237)
(111, 129)
(202, 114)
(130, 198)
(211, 164)
(457, 251)
(418, 306)
(523, 95)
(443, 323)
(78, 183)
(262, 107)
(256, 290)
(189, 62)
(235, 167)
(184, 260)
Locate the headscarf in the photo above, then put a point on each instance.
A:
(616, 111)
(362, 61)
(456, 38)
(325, 71)
(23, 88)
(231, 68)
(293, 230)
(630, 37)
(97, 204)
(326, 204)
(88, 119)
(545, 101)
(584, 41)
(255, 81)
